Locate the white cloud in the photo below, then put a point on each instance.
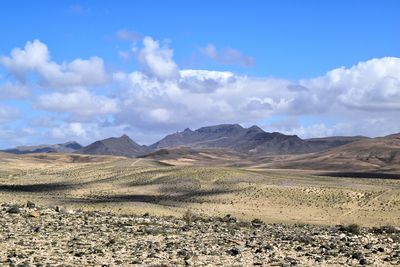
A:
(295, 128)
(35, 57)
(80, 102)
(74, 129)
(14, 91)
(156, 60)
(198, 97)
(372, 85)
(227, 56)
(160, 98)
(160, 115)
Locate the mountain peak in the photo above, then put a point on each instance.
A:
(255, 128)
(220, 128)
(125, 137)
(119, 146)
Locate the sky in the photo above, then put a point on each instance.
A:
(88, 70)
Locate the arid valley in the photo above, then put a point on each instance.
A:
(199, 133)
(108, 211)
(141, 185)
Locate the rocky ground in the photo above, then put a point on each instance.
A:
(35, 236)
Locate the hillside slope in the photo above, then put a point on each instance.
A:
(118, 146)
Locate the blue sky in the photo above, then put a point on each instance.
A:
(266, 47)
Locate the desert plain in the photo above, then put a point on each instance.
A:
(88, 210)
(140, 185)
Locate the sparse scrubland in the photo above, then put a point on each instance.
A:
(119, 211)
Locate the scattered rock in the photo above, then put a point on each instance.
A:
(107, 239)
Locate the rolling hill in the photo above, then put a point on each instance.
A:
(371, 154)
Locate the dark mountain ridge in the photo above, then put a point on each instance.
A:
(234, 137)
(117, 146)
(252, 140)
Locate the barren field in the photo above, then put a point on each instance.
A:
(137, 186)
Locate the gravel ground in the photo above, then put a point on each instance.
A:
(35, 236)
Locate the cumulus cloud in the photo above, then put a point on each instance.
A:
(157, 60)
(14, 91)
(160, 97)
(198, 97)
(80, 102)
(203, 81)
(373, 85)
(35, 57)
(227, 56)
(74, 129)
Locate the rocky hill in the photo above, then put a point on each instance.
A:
(118, 146)
(368, 154)
(233, 136)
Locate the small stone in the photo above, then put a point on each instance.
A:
(380, 249)
(30, 205)
(363, 261)
(357, 255)
(183, 253)
(79, 254)
(234, 251)
(368, 246)
(62, 210)
(34, 214)
(14, 210)
(256, 223)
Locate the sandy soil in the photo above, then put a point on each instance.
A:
(135, 186)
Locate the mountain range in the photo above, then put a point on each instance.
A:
(252, 142)
(67, 147)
